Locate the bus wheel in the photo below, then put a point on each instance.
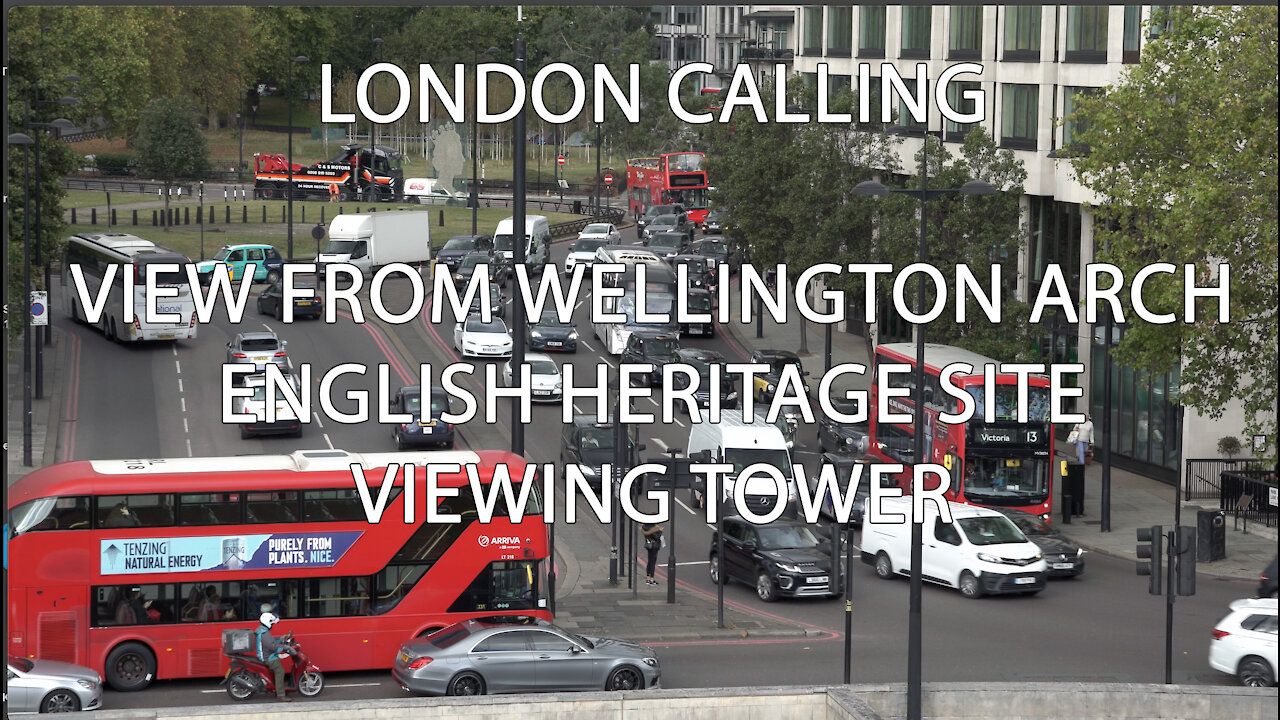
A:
(131, 666)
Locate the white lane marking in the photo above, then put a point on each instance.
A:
(183, 401)
(185, 428)
(679, 564)
(578, 409)
(678, 421)
(189, 454)
(655, 402)
(660, 443)
(175, 350)
(578, 306)
(686, 507)
(268, 327)
(586, 345)
(319, 424)
(328, 442)
(607, 360)
(179, 384)
(178, 364)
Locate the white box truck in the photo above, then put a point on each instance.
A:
(376, 239)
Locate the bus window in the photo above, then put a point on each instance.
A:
(430, 541)
(135, 511)
(273, 507)
(61, 513)
(340, 505)
(209, 602)
(335, 597)
(500, 586)
(133, 605)
(273, 596)
(210, 509)
(394, 583)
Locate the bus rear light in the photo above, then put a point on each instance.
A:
(137, 324)
(193, 321)
(419, 663)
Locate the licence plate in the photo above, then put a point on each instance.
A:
(1023, 580)
(554, 343)
(261, 358)
(165, 336)
(304, 303)
(1063, 566)
(816, 580)
(541, 392)
(404, 658)
(427, 424)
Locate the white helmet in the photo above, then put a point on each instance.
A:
(268, 619)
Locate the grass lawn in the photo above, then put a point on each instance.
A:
(186, 238)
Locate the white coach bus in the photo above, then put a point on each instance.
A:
(95, 253)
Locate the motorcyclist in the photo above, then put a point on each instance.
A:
(270, 651)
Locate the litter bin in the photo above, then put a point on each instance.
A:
(1211, 533)
(1073, 486)
(577, 207)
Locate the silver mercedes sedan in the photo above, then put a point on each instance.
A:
(47, 686)
(476, 657)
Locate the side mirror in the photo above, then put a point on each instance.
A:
(749, 544)
(640, 447)
(228, 346)
(284, 343)
(575, 649)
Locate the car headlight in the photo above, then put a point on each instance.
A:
(985, 557)
(573, 335)
(588, 471)
(559, 385)
(651, 661)
(1045, 517)
(848, 441)
(787, 567)
(536, 334)
(732, 396)
(87, 684)
(769, 388)
(469, 343)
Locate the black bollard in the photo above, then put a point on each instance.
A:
(135, 218)
(1066, 509)
(93, 216)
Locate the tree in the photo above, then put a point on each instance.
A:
(1182, 156)
(170, 144)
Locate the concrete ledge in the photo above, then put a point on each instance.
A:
(959, 701)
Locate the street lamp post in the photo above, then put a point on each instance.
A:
(244, 94)
(289, 190)
(871, 187)
(25, 141)
(519, 241)
(474, 195)
(374, 53)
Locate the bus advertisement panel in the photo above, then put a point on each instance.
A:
(1004, 463)
(135, 567)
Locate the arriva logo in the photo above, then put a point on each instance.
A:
(486, 541)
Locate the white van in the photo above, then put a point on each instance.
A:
(741, 443)
(537, 238)
(981, 552)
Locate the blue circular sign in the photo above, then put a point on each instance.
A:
(37, 308)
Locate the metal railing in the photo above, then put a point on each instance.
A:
(1250, 495)
(1204, 476)
(147, 187)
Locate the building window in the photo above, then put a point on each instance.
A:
(915, 30)
(1160, 20)
(1019, 120)
(1087, 33)
(871, 31)
(905, 118)
(874, 93)
(813, 31)
(688, 15)
(1132, 33)
(1072, 128)
(840, 31)
(1144, 412)
(1054, 240)
(837, 84)
(966, 33)
(955, 98)
(1022, 34)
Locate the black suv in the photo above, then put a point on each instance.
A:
(785, 558)
(842, 437)
(588, 443)
(767, 384)
(652, 347)
(496, 302)
(653, 212)
(702, 272)
(459, 246)
(702, 361)
(498, 270)
(666, 244)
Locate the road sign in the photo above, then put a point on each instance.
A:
(608, 178)
(559, 159)
(39, 307)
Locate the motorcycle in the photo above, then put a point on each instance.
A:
(792, 423)
(248, 675)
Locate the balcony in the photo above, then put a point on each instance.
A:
(767, 53)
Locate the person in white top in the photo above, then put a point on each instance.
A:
(1084, 437)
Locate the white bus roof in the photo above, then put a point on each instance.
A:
(300, 461)
(117, 241)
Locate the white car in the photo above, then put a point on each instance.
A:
(1244, 642)
(286, 421)
(547, 383)
(475, 338)
(584, 248)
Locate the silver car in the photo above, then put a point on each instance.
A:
(258, 349)
(476, 657)
(47, 686)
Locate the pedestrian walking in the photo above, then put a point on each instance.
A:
(1082, 436)
(653, 542)
(333, 192)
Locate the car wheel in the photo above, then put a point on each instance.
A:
(60, 701)
(625, 678)
(399, 441)
(714, 569)
(764, 587)
(466, 684)
(244, 432)
(884, 566)
(1255, 672)
(273, 277)
(130, 667)
(969, 586)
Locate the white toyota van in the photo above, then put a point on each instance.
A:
(981, 552)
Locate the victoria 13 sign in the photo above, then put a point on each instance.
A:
(1020, 436)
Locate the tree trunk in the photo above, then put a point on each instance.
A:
(804, 329)
(165, 219)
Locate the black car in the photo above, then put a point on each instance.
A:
(459, 246)
(310, 304)
(651, 347)
(712, 223)
(589, 443)
(1267, 583)
(785, 558)
(1064, 557)
(766, 384)
(716, 250)
(842, 437)
(666, 244)
(547, 333)
(703, 361)
(700, 302)
(676, 209)
(498, 270)
(496, 302)
(702, 272)
(428, 429)
(843, 466)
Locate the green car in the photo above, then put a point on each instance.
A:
(265, 260)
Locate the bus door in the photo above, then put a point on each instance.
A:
(54, 619)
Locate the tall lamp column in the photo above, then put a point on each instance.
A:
(25, 141)
(289, 190)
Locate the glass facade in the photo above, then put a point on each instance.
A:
(916, 30)
(965, 42)
(1019, 120)
(1087, 33)
(1070, 126)
(955, 98)
(1054, 240)
(812, 31)
(1144, 410)
(871, 31)
(1132, 33)
(1022, 33)
(840, 31)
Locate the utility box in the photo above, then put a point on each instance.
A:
(1073, 485)
(1211, 529)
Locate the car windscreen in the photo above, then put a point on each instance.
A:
(504, 243)
(699, 303)
(543, 367)
(551, 320)
(339, 247)
(222, 254)
(596, 229)
(660, 347)
(1029, 525)
(450, 636)
(471, 261)
(477, 325)
(990, 530)
(664, 220)
(666, 241)
(259, 344)
(589, 245)
(459, 243)
(742, 458)
(413, 405)
(597, 438)
(786, 537)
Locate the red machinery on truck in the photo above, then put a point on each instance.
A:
(358, 173)
(667, 179)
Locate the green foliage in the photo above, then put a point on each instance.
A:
(170, 144)
(1182, 153)
(115, 164)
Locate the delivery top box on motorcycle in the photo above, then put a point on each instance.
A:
(373, 240)
(741, 443)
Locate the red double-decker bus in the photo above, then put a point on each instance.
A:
(1005, 463)
(135, 567)
(668, 179)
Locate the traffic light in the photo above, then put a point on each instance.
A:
(1152, 551)
(1186, 560)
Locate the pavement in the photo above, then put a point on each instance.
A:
(585, 599)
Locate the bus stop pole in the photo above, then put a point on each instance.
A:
(671, 504)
